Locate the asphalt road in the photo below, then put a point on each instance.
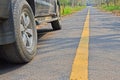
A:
(57, 50)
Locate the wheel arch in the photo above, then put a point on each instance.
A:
(32, 5)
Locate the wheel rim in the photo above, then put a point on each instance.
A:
(26, 31)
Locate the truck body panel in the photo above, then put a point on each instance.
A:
(4, 9)
(39, 7)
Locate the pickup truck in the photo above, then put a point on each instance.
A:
(18, 20)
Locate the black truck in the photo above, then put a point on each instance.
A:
(18, 20)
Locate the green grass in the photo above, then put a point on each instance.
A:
(69, 10)
(110, 8)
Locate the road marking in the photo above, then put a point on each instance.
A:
(80, 64)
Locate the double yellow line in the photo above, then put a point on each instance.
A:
(80, 64)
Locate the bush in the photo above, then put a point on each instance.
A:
(111, 8)
(68, 10)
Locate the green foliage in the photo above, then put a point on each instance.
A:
(69, 10)
(64, 2)
(111, 8)
(70, 6)
(72, 2)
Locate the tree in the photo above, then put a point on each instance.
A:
(108, 2)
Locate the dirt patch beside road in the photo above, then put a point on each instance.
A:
(116, 12)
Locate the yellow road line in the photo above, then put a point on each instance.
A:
(80, 64)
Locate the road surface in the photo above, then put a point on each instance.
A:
(87, 48)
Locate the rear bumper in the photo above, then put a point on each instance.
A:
(4, 8)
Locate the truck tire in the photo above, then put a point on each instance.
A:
(56, 24)
(23, 49)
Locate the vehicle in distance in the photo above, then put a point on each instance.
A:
(18, 19)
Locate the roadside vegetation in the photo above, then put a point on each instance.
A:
(110, 8)
(69, 10)
(109, 5)
(71, 6)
